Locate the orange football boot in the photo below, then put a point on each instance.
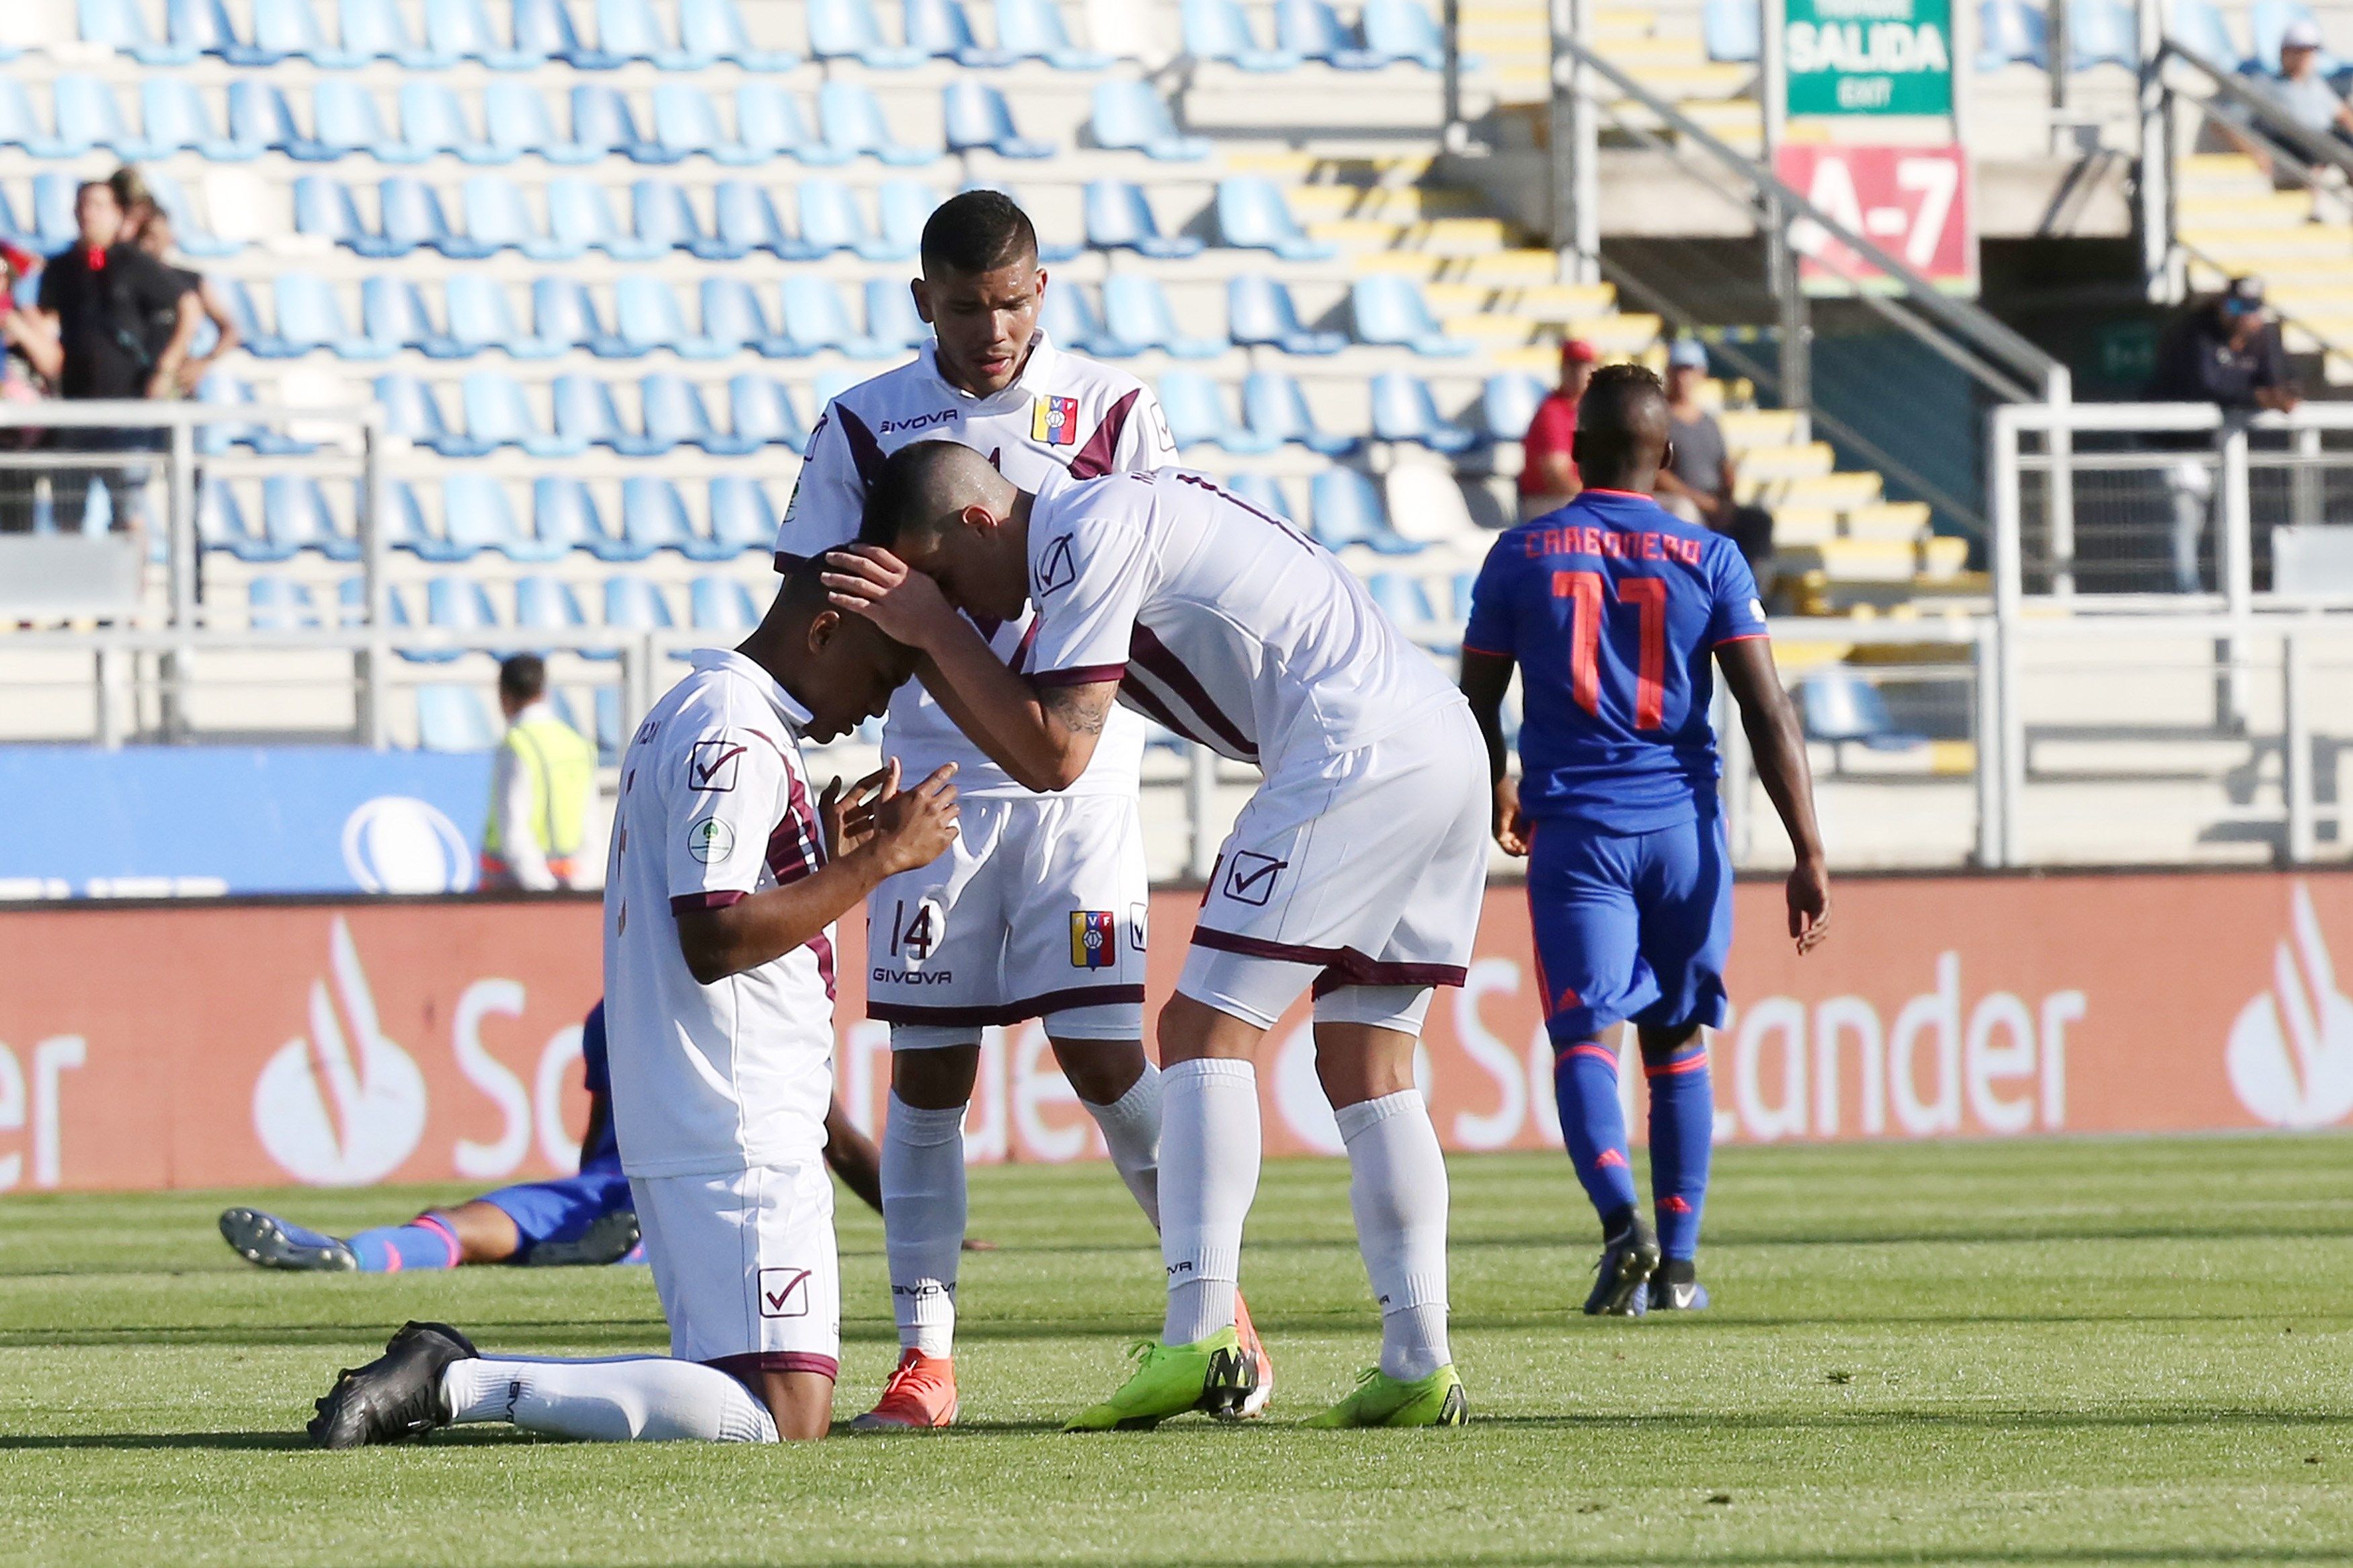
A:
(922, 1392)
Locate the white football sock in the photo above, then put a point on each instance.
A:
(923, 1220)
(1210, 1156)
(1131, 1130)
(641, 1399)
(1397, 1187)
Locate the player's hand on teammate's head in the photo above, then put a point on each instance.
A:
(1809, 904)
(849, 815)
(914, 827)
(1510, 827)
(905, 605)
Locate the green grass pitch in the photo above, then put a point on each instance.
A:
(2066, 1352)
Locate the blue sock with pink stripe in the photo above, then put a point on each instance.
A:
(1585, 1085)
(1683, 1133)
(423, 1243)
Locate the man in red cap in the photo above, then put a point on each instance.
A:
(1547, 470)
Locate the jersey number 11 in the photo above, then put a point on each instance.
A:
(1583, 589)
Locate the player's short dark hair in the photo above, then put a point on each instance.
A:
(523, 676)
(977, 231)
(1623, 381)
(906, 491)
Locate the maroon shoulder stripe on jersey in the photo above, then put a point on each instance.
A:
(1082, 675)
(1149, 654)
(1094, 458)
(865, 451)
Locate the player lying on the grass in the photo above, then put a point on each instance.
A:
(721, 893)
(1037, 912)
(1611, 609)
(1357, 868)
(587, 1218)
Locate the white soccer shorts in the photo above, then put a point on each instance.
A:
(1357, 873)
(1037, 911)
(745, 1264)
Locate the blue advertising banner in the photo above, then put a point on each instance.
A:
(196, 821)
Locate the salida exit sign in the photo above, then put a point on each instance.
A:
(1868, 57)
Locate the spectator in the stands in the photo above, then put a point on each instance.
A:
(1547, 469)
(155, 239)
(2301, 90)
(1696, 485)
(2224, 350)
(19, 383)
(101, 304)
(542, 784)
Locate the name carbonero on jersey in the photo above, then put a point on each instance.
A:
(1645, 545)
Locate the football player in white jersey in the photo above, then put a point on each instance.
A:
(1039, 911)
(720, 899)
(1357, 869)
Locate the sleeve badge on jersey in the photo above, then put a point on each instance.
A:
(709, 839)
(1058, 570)
(1094, 939)
(1054, 421)
(710, 766)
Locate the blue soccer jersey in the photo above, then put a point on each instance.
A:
(1612, 606)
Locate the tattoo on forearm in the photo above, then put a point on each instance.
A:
(1075, 709)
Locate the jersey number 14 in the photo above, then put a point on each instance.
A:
(1648, 595)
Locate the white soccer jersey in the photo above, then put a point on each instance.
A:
(714, 806)
(1065, 416)
(1222, 621)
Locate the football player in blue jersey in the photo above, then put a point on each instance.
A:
(585, 1219)
(1611, 609)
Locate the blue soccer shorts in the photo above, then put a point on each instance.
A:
(563, 1210)
(1630, 925)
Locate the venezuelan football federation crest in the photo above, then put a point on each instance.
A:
(1094, 939)
(1054, 421)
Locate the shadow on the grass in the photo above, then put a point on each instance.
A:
(1909, 1416)
(131, 1442)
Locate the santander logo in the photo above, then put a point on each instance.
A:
(343, 1105)
(2290, 1051)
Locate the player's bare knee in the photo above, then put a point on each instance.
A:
(485, 1232)
(939, 1079)
(1190, 1029)
(801, 1404)
(1356, 1062)
(1100, 1071)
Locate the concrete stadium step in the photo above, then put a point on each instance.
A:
(1905, 520)
(1842, 493)
(1701, 79)
(1810, 461)
(1387, 203)
(1746, 429)
(1450, 236)
(2231, 246)
(2245, 210)
(2220, 173)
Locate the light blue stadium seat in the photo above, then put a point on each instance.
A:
(1196, 414)
(1119, 218)
(1069, 320)
(288, 28)
(1129, 116)
(829, 218)
(345, 120)
(394, 316)
(891, 317)
(741, 515)
(761, 409)
(585, 411)
(54, 227)
(411, 218)
(1387, 308)
(2197, 25)
(219, 390)
(1733, 30)
(375, 29)
(712, 30)
(1311, 31)
(498, 219)
(976, 117)
(19, 127)
(459, 30)
(941, 29)
(547, 605)
(850, 121)
(1263, 491)
(203, 26)
(1403, 410)
(744, 220)
(769, 124)
(295, 517)
(1274, 406)
(516, 122)
(498, 414)
(628, 30)
(633, 603)
(121, 26)
(477, 515)
(2012, 32)
(462, 605)
(401, 519)
(1402, 30)
(221, 523)
(1136, 318)
(562, 311)
(564, 516)
(544, 31)
(702, 545)
(453, 719)
(722, 604)
(1347, 510)
(411, 411)
(733, 322)
(483, 317)
(1033, 30)
(1253, 215)
(1509, 402)
(902, 207)
(602, 121)
(1258, 314)
(1840, 706)
(89, 117)
(432, 120)
(665, 218)
(260, 120)
(653, 517)
(839, 28)
(309, 315)
(1219, 31)
(686, 123)
(279, 604)
(2101, 33)
(260, 341)
(580, 219)
(816, 318)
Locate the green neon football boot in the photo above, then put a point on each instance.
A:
(1211, 1374)
(1380, 1400)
